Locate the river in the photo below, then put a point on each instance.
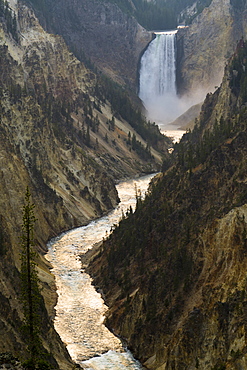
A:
(80, 309)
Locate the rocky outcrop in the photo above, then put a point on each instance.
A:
(206, 44)
(187, 120)
(48, 154)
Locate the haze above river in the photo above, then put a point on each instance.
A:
(80, 309)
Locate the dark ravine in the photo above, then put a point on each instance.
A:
(174, 272)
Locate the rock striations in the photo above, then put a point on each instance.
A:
(207, 43)
(174, 272)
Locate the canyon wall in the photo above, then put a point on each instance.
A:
(174, 272)
(207, 43)
(114, 41)
(101, 32)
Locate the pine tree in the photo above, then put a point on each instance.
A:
(30, 283)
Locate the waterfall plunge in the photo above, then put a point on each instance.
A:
(157, 85)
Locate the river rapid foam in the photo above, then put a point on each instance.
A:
(80, 309)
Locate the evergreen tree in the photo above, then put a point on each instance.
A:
(29, 283)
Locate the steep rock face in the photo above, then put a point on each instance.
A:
(174, 273)
(47, 107)
(101, 32)
(43, 76)
(206, 45)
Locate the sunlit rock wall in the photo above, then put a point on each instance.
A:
(206, 44)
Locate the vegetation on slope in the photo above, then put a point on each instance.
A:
(153, 265)
(160, 14)
(10, 19)
(196, 146)
(106, 89)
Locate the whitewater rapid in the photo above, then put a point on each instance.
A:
(80, 309)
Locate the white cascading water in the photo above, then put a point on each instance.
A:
(158, 67)
(157, 84)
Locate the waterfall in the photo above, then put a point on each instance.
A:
(158, 67)
(157, 84)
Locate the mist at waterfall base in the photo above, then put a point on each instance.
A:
(157, 83)
(163, 110)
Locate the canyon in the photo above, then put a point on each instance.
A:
(176, 286)
(203, 47)
(70, 133)
(60, 138)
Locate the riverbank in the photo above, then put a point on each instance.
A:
(87, 257)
